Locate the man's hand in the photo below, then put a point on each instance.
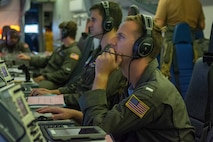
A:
(105, 64)
(39, 78)
(40, 91)
(62, 113)
(24, 57)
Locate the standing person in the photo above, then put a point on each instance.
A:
(169, 13)
(48, 37)
(54, 70)
(117, 81)
(12, 44)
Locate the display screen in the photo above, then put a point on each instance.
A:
(84, 132)
(31, 28)
(73, 131)
(4, 71)
(2, 139)
(21, 106)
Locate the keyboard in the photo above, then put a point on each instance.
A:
(44, 125)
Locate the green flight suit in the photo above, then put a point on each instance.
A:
(153, 111)
(15, 49)
(85, 81)
(58, 67)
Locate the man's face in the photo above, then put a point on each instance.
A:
(124, 41)
(95, 24)
(12, 40)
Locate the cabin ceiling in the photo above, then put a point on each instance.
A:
(148, 5)
(151, 5)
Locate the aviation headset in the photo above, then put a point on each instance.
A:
(13, 33)
(143, 46)
(133, 10)
(65, 31)
(107, 23)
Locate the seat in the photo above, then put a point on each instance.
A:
(87, 47)
(197, 96)
(182, 62)
(199, 34)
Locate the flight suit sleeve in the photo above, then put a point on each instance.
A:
(120, 118)
(64, 90)
(38, 61)
(24, 47)
(161, 10)
(115, 86)
(71, 100)
(65, 70)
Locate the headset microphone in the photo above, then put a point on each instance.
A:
(96, 35)
(120, 54)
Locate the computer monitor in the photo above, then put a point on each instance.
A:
(31, 28)
(208, 56)
(4, 73)
(16, 116)
(4, 134)
(211, 40)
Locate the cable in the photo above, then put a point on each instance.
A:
(129, 71)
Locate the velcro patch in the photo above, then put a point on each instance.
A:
(137, 106)
(74, 56)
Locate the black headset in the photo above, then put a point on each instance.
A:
(133, 10)
(143, 46)
(65, 31)
(13, 33)
(107, 23)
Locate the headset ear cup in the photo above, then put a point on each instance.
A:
(64, 33)
(108, 21)
(143, 47)
(108, 24)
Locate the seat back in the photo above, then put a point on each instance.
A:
(86, 49)
(182, 64)
(197, 96)
(199, 34)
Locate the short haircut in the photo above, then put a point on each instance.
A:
(114, 11)
(71, 26)
(156, 33)
(13, 34)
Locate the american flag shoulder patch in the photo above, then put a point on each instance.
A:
(74, 56)
(137, 106)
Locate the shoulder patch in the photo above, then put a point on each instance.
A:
(137, 106)
(74, 56)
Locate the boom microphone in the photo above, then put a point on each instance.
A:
(96, 35)
(120, 55)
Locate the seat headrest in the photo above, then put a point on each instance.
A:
(182, 34)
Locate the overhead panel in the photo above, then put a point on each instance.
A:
(148, 5)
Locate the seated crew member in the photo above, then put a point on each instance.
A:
(12, 44)
(152, 107)
(85, 80)
(55, 70)
(84, 83)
